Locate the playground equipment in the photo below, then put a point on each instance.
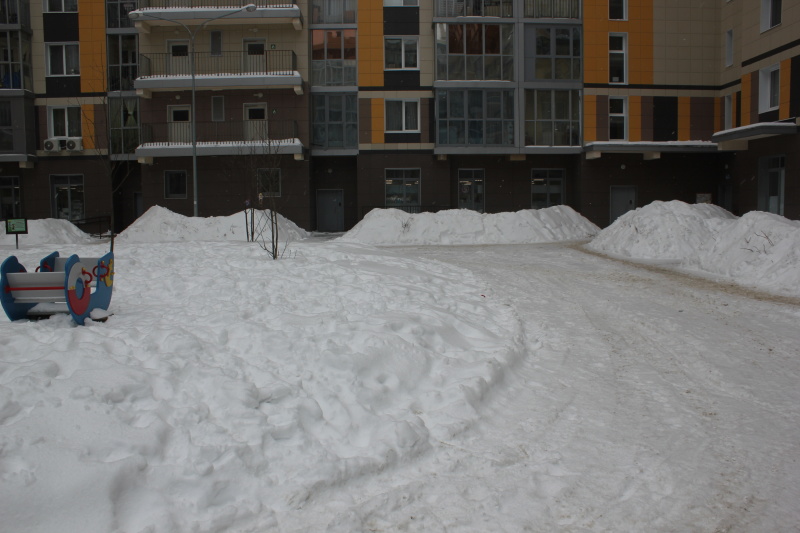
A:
(80, 287)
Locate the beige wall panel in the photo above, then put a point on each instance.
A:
(687, 47)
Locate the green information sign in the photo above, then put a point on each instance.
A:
(16, 226)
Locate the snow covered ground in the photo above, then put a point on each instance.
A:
(529, 386)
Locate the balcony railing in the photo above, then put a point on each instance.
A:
(570, 9)
(224, 132)
(188, 4)
(15, 12)
(270, 63)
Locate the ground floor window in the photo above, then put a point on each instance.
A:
(771, 176)
(175, 184)
(268, 183)
(10, 206)
(402, 188)
(471, 189)
(547, 187)
(68, 196)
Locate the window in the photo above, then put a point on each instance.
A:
(61, 6)
(65, 122)
(174, 184)
(475, 117)
(475, 52)
(216, 43)
(217, 108)
(10, 206)
(400, 53)
(333, 11)
(471, 189)
(333, 57)
(727, 103)
(124, 124)
(552, 117)
(402, 115)
(122, 62)
(63, 60)
(67, 196)
(617, 118)
(618, 9)
(400, 3)
(13, 47)
(268, 182)
(335, 121)
(117, 13)
(771, 181)
(617, 51)
(569, 9)
(547, 187)
(769, 85)
(729, 48)
(552, 53)
(477, 8)
(6, 127)
(402, 188)
(770, 14)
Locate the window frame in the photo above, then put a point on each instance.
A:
(729, 48)
(64, 62)
(273, 177)
(769, 96)
(404, 102)
(623, 115)
(457, 117)
(404, 40)
(169, 176)
(406, 176)
(400, 3)
(46, 6)
(70, 181)
(117, 66)
(533, 117)
(123, 138)
(343, 58)
(459, 65)
(70, 128)
(548, 176)
(623, 52)
(770, 14)
(623, 4)
(552, 57)
(10, 184)
(324, 118)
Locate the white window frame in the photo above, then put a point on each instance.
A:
(65, 6)
(401, 3)
(624, 10)
(63, 65)
(51, 120)
(174, 174)
(729, 48)
(624, 116)
(769, 80)
(727, 112)
(404, 39)
(405, 128)
(768, 11)
(624, 53)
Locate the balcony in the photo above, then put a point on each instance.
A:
(243, 137)
(15, 13)
(161, 12)
(272, 69)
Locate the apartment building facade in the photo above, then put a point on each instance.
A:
(326, 109)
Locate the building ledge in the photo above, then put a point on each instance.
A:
(146, 152)
(738, 138)
(649, 150)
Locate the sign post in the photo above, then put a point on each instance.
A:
(16, 227)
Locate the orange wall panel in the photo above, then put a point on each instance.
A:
(92, 27)
(684, 118)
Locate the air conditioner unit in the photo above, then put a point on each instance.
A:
(75, 144)
(52, 145)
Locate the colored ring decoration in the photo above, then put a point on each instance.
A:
(104, 274)
(44, 267)
(85, 272)
(78, 291)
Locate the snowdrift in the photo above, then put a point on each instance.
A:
(462, 226)
(759, 249)
(159, 224)
(47, 231)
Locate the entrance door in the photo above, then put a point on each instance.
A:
(255, 58)
(623, 199)
(67, 195)
(180, 126)
(471, 189)
(255, 122)
(178, 59)
(330, 210)
(771, 182)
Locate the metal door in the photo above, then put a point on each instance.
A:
(623, 199)
(255, 58)
(178, 58)
(330, 210)
(180, 125)
(471, 189)
(255, 122)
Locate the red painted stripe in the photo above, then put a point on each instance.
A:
(35, 288)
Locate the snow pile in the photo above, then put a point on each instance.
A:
(230, 390)
(759, 249)
(159, 224)
(47, 231)
(462, 226)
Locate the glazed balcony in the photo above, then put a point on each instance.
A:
(269, 69)
(194, 12)
(15, 14)
(243, 137)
